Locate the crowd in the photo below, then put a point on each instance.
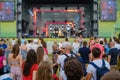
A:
(94, 59)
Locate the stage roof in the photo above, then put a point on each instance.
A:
(59, 1)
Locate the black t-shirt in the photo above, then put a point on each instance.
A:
(113, 53)
(84, 52)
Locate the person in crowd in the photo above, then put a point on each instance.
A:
(98, 45)
(84, 52)
(13, 42)
(44, 71)
(22, 40)
(118, 61)
(66, 41)
(55, 55)
(76, 46)
(31, 31)
(112, 55)
(3, 45)
(55, 44)
(60, 43)
(65, 32)
(29, 45)
(39, 42)
(117, 44)
(18, 42)
(55, 52)
(112, 75)
(23, 49)
(80, 40)
(8, 51)
(91, 42)
(67, 50)
(44, 46)
(106, 46)
(30, 66)
(73, 69)
(2, 61)
(41, 56)
(54, 76)
(91, 70)
(35, 44)
(15, 62)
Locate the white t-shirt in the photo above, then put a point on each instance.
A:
(13, 42)
(75, 47)
(91, 69)
(117, 46)
(35, 46)
(29, 46)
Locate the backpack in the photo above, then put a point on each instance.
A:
(100, 71)
(74, 56)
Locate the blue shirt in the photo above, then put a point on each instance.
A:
(4, 46)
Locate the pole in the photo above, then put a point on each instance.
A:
(0, 24)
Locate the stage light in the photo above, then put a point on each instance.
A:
(68, 27)
(30, 12)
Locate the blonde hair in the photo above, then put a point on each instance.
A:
(44, 71)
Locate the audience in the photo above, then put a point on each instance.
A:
(36, 65)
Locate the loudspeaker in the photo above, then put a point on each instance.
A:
(65, 8)
(53, 20)
(51, 8)
(65, 20)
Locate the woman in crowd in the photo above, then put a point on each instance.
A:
(23, 48)
(44, 71)
(76, 46)
(41, 56)
(15, 62)
(30, 66)
(44, 45)
(2, 61)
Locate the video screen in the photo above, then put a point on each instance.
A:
(7, 11)
(108, 10)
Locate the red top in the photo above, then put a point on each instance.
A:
(34, 67)
(1, 61)
(54, 76)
